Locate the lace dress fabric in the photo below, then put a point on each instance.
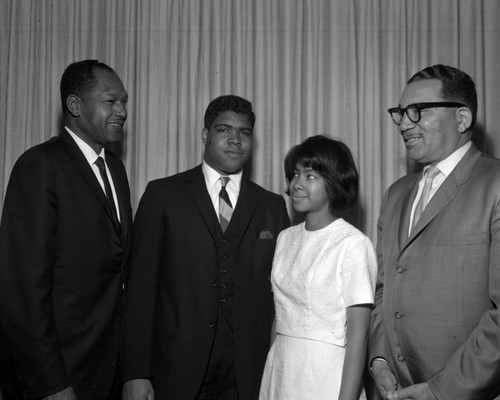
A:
(316, 275)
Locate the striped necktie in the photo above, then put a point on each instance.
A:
(225, 207)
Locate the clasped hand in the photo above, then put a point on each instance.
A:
(390, 389)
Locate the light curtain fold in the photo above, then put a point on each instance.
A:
(308, 66)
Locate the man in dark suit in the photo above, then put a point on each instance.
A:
(199, 305)
(63, 243)
(436, 323)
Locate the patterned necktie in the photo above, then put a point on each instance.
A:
(107, 189)
(429, 174)
(225, 207)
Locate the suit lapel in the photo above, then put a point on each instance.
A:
(121, 187)
(407, 203)
(243, 212)
(447, 191)
(245, 207)
(83, 167)
(197, 189)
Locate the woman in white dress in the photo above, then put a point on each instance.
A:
(323, 281)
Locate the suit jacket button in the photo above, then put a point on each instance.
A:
(222, 300)
(401, 358)
(224, 241)
(212, 325)
(400, 269)
(223, 271)
(215, 284)
(397, 315)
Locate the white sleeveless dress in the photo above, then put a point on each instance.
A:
(315, 276)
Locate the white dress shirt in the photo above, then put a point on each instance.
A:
(213, 182)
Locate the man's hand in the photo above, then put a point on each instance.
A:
(420, 391)
(385, 380)
(66, 394)
(138, 389)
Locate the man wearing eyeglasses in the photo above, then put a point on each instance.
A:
(435, 330)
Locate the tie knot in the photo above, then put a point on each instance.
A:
(431, 172)
(224, 180)
(99, 162)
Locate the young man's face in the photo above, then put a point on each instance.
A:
(228, 142)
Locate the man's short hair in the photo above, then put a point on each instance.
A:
(228, 103)
(456, 85)
(333, 160)
(79, 78)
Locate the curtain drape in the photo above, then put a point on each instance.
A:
(308, 66)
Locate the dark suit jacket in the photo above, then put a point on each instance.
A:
(61, 268)
(172, 302)
(436, 316)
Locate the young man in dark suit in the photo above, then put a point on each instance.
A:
(199, 305)
(64, 239)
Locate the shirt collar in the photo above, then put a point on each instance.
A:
(87, 151)
(212, 176)
(450, 162)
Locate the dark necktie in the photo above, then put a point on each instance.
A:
(429, 174)
(225, 207)
(107, 189)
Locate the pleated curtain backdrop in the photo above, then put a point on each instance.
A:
(308, 66)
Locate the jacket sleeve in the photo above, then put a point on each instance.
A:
(376, 343)
(142, 287)
(27, 234)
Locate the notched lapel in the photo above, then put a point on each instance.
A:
(446, 193)
(122, 193)
(85, 170)
(404, 219)
(197, 189)
(448, 190)
(245, 207)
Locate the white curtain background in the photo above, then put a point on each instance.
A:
(308, 66)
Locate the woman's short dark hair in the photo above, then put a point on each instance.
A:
(333, 160)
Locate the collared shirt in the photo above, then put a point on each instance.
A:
(91, 157)
(445, 167)
(213, 182)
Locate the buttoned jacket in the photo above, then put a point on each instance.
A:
(436, 316)
(175, 283)
(62, 262)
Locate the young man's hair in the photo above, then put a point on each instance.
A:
(228, 103)
(333, 160)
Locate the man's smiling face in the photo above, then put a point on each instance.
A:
(436, 135)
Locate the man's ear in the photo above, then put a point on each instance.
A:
(464, 119)
(73, 104)
(204, 135)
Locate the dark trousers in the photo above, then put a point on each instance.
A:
(219, 382)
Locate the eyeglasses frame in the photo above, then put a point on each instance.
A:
(419, 107)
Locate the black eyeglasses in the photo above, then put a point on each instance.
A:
(413, 110)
